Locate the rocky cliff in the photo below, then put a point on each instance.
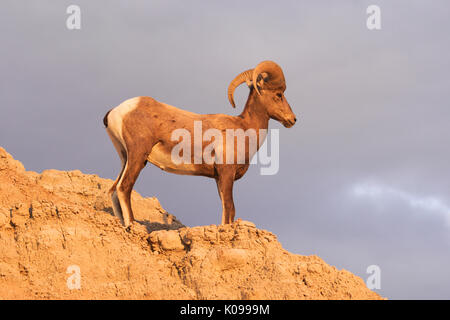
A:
(58, 225)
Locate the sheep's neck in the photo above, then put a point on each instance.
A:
(254, 115)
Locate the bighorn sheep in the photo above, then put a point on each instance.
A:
(141, 128)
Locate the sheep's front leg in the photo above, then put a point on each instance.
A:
(224, 182)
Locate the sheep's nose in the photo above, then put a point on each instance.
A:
(295, 119)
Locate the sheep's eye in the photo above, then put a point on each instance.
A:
(279, 95)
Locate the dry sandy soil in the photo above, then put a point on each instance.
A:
(57, 219)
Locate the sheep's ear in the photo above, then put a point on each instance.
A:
(263, 77)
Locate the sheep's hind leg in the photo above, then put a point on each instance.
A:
(135, 163)
(113, 190)
(115, 200)
(116, 207)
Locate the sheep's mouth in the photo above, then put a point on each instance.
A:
(288, 123)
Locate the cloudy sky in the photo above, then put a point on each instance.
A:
(364, 174)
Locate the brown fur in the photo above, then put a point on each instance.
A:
(147, 130)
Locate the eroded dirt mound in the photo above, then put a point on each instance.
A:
(56, 222)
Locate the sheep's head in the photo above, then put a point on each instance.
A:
(268, 81)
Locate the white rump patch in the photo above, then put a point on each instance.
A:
(116, 116)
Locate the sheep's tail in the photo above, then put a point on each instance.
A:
(105, 119)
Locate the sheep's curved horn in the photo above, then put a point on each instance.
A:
(275, 76)
(245, 76)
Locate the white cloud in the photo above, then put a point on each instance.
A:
(380, 192)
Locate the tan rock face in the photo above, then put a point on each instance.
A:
(55, 220)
